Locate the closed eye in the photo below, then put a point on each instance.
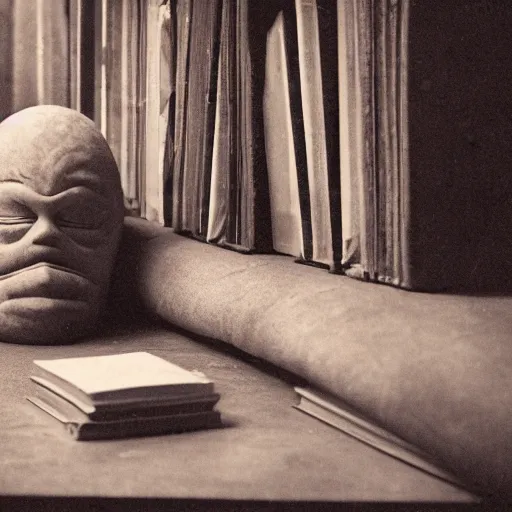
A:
(82, 216)
(14, 220)
(76, 225)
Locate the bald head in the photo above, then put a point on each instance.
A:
(52, 148)
(61, 212)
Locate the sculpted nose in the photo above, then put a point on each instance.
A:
(45, 232)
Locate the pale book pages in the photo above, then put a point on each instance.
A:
(223, 141)
(403, 269)
(314, 127)
(386, 60)
(183, 19)
(245, 235)
(159, 88)
(217, 214)
(167, 90)
(364, 131)
(279, 146)
(82, 428)
(129, 69)
(142, 99)
(349, 168)
(103, 374)
(63, 400)
(150, 174)
(112, 62)
(75, 52)
(200, 104)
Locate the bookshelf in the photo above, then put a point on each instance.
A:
(349, 135)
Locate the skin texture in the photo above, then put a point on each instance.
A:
(61, 214)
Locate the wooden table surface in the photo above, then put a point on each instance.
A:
(267, 450)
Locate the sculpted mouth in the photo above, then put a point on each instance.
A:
(38, 308)
(20, 256)
(46, 281)
(40, 264)
(47, 303)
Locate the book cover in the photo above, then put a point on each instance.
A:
(357, 136)
(159, 88)
(432, 161)
(455, 134)
(82, 429)
(318, 62)
(64, 401)
(222, 186)
(141, 104)
(249, 219)
(340, 415)
(349, 107)
(183, 13)
(281, 140)
(203, 55)
(224, 144)
(129, 376)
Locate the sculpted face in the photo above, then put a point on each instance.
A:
(61, 213)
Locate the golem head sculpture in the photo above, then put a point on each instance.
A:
(61, 215)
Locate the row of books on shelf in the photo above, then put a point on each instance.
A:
(321, 129)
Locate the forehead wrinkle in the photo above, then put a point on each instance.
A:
(19, 190)
(23, 175)
(70, 168)
(10, 180)
(85, 160)
(52, 148)
(14, 172)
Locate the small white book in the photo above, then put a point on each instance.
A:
(129, 377)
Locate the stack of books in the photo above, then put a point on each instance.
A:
(123, 395)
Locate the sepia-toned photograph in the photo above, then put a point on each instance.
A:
(255, 255)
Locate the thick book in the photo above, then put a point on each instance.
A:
(249, 219)
(284, 141)
(318, 62)
(224, 160)
(133, 376)
(159, 89)
(345, 418)
(64, 401)
(117, 45)
(81, 428)
(434, 166)
(356, 125)
(183, 14)
(220, 182)
(203, 56)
